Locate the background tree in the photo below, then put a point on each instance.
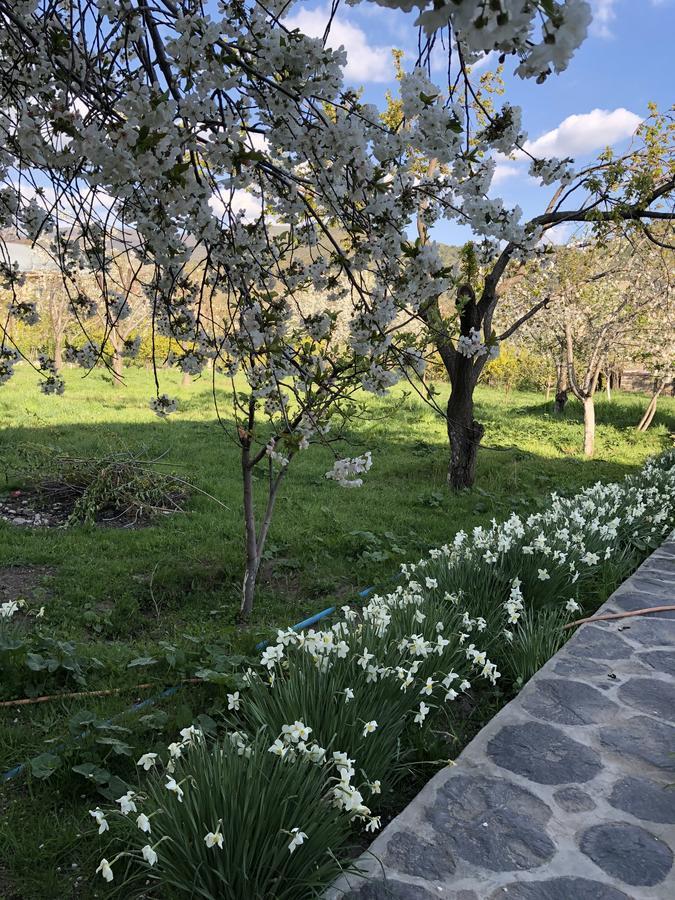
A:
(601, 297)
(655, 345)
(52, 301)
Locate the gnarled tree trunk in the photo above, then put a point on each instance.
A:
(561, 387)
(464, 432)
(465, 435)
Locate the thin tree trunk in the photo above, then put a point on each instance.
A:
(58, 351)
(650, 412)
(608, 385)
(255, 541)
(185, 380)
(589, 426)
(548, 387)
(118, 368)
(252, 558)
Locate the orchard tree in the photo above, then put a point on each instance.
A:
(223, 152)
(601, 297)
(52, 303)
(122, 332)
(654, 347)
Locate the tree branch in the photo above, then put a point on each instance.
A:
(528, 315)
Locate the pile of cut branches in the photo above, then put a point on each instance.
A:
(126, 488)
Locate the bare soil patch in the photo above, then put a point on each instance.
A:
(53, 507)
(25, 583)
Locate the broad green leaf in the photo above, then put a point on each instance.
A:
(44, 765)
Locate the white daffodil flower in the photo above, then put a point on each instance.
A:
(190, 734)
(149, 855)
(369, 727)
(214, 838)
(101, 820)
(278, 748)
(127, 805)
(233, 701)
(299, 837)
(175, 788)
(147, 761)
(143, 822)
(105, 870)
(428, 687)
(422, 714)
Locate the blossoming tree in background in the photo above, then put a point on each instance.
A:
(604, 299)
(134, 135)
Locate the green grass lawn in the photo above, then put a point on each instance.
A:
(121, 594)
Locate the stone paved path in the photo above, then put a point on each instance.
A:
(564, 794)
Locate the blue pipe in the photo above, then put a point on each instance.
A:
(317, 617)
(306, 623)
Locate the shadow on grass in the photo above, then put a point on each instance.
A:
(184, 571)
(623, 414)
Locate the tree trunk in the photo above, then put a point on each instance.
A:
(252, 556)
(560, 403)
(650, 412)
(185, 380)
(255, 541)
(118, 368)
(608, 385)
(548, 387)
(561, 388)
(465, 435)
(58, 352)
(248, 589)
(589, 426)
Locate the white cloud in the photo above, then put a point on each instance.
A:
(485, 61)
(364, 61)
(585, 133)
(504, 171)
(242, 201)
(439, 60)
(559, 234)
(603, 16)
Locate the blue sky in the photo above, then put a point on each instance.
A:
(627, 61)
